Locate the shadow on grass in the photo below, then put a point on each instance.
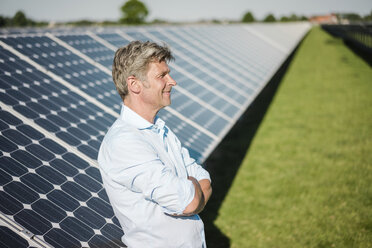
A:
(362, 51)
(226, 159)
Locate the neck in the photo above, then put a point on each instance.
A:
(143, 111)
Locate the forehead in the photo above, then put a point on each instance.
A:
(157, 67)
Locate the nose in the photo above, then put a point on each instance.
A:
(171, 81)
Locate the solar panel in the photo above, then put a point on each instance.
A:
(54, 194)
(90, 47)
(58, 100)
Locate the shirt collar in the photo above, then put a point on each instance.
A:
(129, 116)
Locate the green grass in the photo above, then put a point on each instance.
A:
(306, 180)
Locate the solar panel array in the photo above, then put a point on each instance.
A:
(58, 100)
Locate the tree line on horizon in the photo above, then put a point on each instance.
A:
(134, 12)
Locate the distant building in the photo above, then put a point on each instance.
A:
(325, 19)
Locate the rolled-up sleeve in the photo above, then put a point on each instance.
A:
(134, 163)
(194, 169)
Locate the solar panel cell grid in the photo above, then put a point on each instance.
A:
(60, 111)
(196, 112)
(260, 54)
(114, 39)
(90, 47)
(69, 66)
(137, 35)
(207, 53)
(197, 143)
(204, 94)
(60, 238)
(226, 51)
(43, 198)
(11, 239)
(220, 87)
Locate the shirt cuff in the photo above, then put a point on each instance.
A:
(189, 198)
(203, 175)
(186, 193)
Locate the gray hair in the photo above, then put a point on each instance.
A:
(133, 60)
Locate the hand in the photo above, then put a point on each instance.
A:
(197, 204)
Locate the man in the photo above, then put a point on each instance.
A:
(155, 188)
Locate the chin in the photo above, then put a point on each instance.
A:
(167, 103)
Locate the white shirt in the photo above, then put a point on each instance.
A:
(144, 169)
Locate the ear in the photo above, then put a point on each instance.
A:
(133, 84)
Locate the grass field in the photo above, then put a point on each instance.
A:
(306, 180)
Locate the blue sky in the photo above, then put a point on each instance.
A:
(177, 10)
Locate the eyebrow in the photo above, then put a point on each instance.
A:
(164, 72)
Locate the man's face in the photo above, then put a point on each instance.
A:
(158, 85)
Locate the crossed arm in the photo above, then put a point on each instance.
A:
(203, 191)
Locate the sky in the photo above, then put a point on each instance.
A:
(179, 10)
